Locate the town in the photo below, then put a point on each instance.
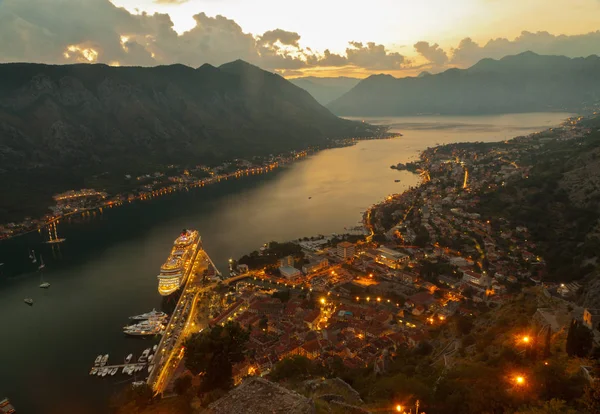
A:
(435, 276)
(423, 258)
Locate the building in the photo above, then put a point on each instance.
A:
(315, 263)
(289, 272)
(391, 258)
(591, 318)
(345, 250)
(286, 261)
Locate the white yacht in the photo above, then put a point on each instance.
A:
(144, 328)
(154, 348)
(104, 360)
(97, 360)
(128, 358)
(149, 315)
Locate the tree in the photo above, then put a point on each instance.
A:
(182, 384)
(263, 323)
(579, 340)
(294, 368)
(591, 397)
(554, 406)
(214, 351)
(463, 325)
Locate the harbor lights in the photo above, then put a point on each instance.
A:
(322, 301)
(398, 408)
(519, 380)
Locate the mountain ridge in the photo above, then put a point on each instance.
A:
(526, 82)
(74, 121)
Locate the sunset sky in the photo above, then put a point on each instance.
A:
(322, 37)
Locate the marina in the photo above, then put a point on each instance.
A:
(143, 364)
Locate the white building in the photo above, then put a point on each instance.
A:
(289, 272)
(391, 258)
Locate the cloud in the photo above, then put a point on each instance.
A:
(284, 37)
(373, 56)
(170, 1)
(433, 53)
(70, 31)
(469, 52)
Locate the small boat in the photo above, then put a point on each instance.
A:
(43, 285)
(154, 348)
(6, 407)
(150, 358)
(114, 371)
(104, 372)
(144, 355)
(28, 301)
(125, 369)
(128, 358)
(104, 360)
(137, 383)
(150, 368)
(42, 265)
(98, 360)
(396, 181)
(32, 256)
(309, 198)
(138, 368)
(93, 371)
(130, 369)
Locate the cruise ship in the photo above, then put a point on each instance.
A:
(174, 272)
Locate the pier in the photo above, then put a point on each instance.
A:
(170, 351)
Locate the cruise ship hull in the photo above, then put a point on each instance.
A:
(175, 271)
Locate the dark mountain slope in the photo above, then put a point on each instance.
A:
(522, 83)
(70, 122)
(326, 90)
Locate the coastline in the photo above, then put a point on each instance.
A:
(119, 199)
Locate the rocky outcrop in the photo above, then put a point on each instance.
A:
(259, 396)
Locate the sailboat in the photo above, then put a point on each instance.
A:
(43, 285)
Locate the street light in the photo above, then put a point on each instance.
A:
(399, 408)
(519, 380)
(322, 301)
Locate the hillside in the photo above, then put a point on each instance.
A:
(61, 124)
(326, 90)
(521, 83)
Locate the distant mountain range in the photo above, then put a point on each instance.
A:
(61, 124)
(326, 90)
(521, 83)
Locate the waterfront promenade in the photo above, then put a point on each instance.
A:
(169, 350)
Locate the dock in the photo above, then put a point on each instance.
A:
(6, 407)
(170, 351)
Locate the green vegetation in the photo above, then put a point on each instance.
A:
(579, 340)
(557, 202)
(213, 352)
(271, 255)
